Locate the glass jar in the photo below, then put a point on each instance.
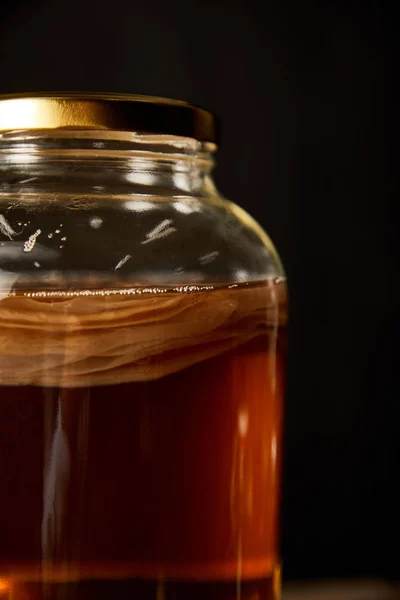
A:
(142, 331)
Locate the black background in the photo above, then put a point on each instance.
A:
(304, 93)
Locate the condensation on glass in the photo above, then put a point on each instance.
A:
(142, 349)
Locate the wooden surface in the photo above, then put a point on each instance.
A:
(355, 590)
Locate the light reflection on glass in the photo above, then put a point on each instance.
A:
(185, 207)
(142, 177)
(241, 275)
(140, 205)
(182, 181)
(243, 422)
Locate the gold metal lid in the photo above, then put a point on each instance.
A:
(121, 112)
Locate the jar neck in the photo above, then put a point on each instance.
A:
(87, 162)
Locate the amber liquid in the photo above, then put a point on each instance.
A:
(158, 488)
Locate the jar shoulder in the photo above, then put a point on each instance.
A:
(135, 238)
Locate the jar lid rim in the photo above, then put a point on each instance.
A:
(121, 112)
